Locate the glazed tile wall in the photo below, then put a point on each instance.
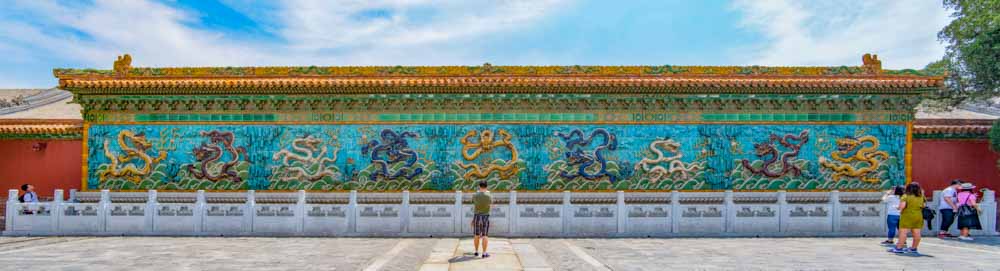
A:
(443, 157)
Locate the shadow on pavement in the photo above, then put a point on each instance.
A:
(914, 255)
(462, 258)
(984, 241)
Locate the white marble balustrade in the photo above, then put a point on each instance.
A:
(530, 214)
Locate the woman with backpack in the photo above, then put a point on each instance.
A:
(968, 211)
(911, 218)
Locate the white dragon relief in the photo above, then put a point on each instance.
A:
(657, 172)
(306, 148)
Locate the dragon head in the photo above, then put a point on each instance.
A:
(140, 142)
(217, 137)
(577, 157)
(762, 149)
(573, 156)
(311, 142)
(486, 138)
(369, 147)
(846, 144)
(670, 145)
(203, 152)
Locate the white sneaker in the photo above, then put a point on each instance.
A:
(965, 238)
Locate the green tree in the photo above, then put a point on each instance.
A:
(973, 55)
(995, 138)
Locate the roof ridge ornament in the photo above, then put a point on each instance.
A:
(122, 65)
(871, 64)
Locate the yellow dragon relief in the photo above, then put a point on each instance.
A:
(869, 155)
(139, 147)
(487, 144)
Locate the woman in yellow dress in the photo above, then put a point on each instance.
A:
(911, 218)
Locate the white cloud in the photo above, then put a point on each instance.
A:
(310, 32)
(325, 24)
(902, 32)
(422, 32)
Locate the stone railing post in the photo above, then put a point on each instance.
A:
(512, 213)
(105, 206)
(675, 211)
(13, 207)
(459, 213)
(199, 208)
(567, 211)
(404, 212)
(56, 209)
(300, 212)
(835, 212)
(251, 211)
(150, 213)
(989, 207)
(352, 207)
(622, 211)
(72, 196)
(782, 211)
(729, 219)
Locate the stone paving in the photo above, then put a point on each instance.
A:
(428, 254)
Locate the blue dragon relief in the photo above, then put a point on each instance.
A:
(575, 156)
(391, 150)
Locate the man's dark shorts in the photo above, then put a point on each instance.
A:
(481, 225)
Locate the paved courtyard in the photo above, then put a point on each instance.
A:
(176, 253)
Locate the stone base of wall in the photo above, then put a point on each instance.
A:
(525, 214)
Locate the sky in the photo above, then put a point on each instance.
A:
(37, 36)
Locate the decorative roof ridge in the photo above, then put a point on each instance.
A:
(516, 76)
(473, 85)
(43, 129)
(952, 128)
(871, 67)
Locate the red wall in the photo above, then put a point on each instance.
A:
(937, 162)
(56, 167)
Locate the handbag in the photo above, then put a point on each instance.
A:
(968, 217)
(928, 213)
(928, 216)
(966, 210)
